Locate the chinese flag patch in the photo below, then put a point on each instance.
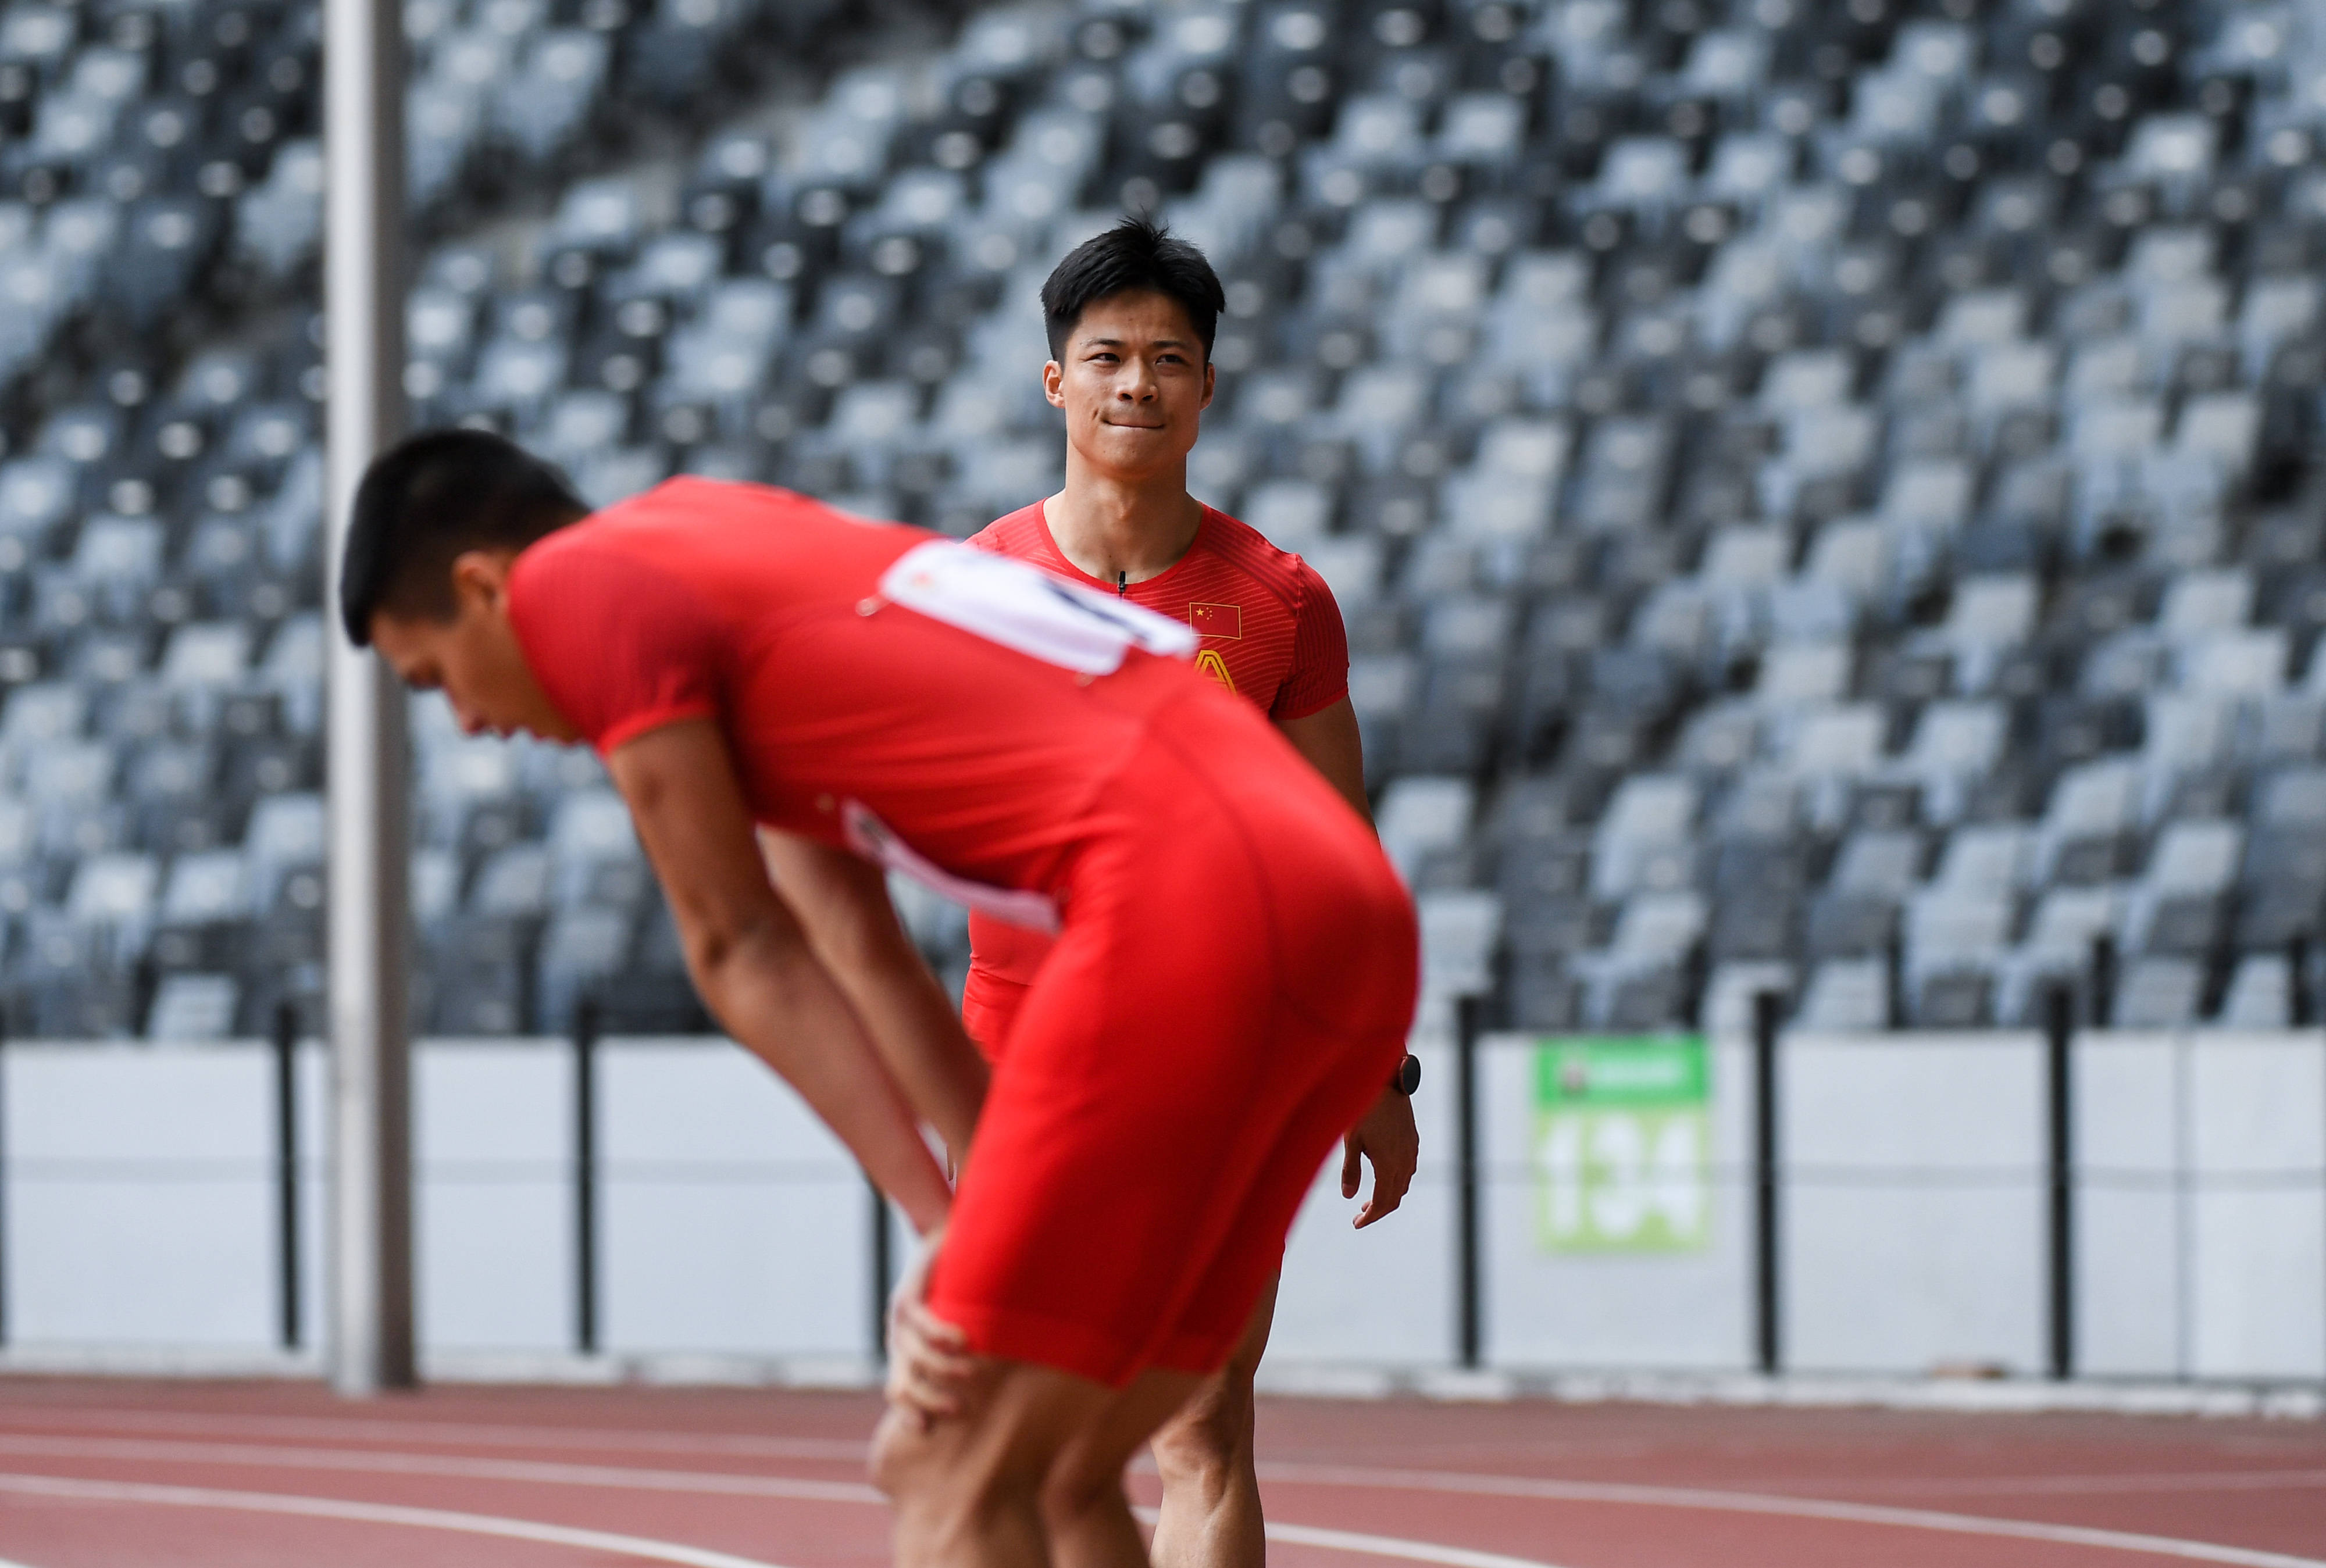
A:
(1216, 620)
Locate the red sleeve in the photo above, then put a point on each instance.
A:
(1320, 676)
(620, 646)
(988, 539)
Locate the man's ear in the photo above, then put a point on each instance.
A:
(1211, 382)
(482, 576)
(1054, 383)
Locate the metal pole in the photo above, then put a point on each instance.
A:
(1768, 1343)
(2060, 1031)
(884, 1269)
(286, 1170)
(4, 1184)
(585, 1175)
(1465, 1111)
(371, 1343)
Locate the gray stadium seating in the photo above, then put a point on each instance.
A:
(1823, 495)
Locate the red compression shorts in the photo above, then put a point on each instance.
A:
(990, 1000)
(1233, 987)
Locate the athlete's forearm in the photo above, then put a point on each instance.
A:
(842, 905)
(785, 1009)
(914, 1027)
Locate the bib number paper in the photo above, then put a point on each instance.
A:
(1025, 608)
(874, 840)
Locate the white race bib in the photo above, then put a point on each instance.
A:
(874, 840)
(1024, 608)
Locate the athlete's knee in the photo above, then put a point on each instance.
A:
(1074, 1490)
(1208, 1440)
(952, 1486)
(902, 1457)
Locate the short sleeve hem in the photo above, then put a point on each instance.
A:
(1310, 709)
(631, 725)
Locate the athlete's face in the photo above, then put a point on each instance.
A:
(1134, 384)
(473, 657)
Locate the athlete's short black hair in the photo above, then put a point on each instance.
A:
(1136, 255)
(429, 499)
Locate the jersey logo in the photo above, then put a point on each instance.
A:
(1210, 663)
(1216, 620)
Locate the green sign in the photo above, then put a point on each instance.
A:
(1623, 1144)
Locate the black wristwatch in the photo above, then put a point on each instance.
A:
(1408, 1076)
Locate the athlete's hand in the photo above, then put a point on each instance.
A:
(1387, 1137)
(930, 1364)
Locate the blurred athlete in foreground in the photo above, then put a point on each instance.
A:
(1235, 966)
(1131, 316)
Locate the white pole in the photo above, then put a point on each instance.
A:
(370, 1318)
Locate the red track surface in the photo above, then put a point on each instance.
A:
(140, 1475)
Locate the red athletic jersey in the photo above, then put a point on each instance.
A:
(947, 714)
(1269, 631)
(1269, 628)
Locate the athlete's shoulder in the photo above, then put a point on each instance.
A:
(1237, 543)
(693, 502)
(1021, 533)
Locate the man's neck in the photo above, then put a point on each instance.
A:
(1122, 531)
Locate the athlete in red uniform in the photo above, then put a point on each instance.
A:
(1131, 315)
(1236, 964)
(1267, 629)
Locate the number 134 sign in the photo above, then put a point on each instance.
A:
(1623, 1144)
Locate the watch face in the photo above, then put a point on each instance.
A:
(1408, 1077)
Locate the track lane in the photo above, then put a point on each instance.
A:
(348, 1510)
(469, 1472)
(1799, 1493)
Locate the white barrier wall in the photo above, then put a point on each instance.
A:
(140, 1196)
(2132, 1218)
(1384, 1294)
(2201, 1208)
(731, 1222)
(493, 1220)
(138, 1208)
(1912, 1233)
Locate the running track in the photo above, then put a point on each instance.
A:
(181, 1475)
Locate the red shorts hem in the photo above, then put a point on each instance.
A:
(1189, 1351)
(1043, 1340)
(989, 1008)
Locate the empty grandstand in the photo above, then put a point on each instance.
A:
(1821, 490)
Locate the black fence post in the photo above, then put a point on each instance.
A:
(1894, 978)
(2059, 1031)
(1467, 1282)
(585, 1175)
(884, 1269)
(286, 1170)
(2102, 1011)
(1768, 1341)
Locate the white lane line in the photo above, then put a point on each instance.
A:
(1715, 1502)
(385, 1462)
(2198, 1481)
(499, 1435)
(1385, 1547)
(637, 1547)
(1391, 1546)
